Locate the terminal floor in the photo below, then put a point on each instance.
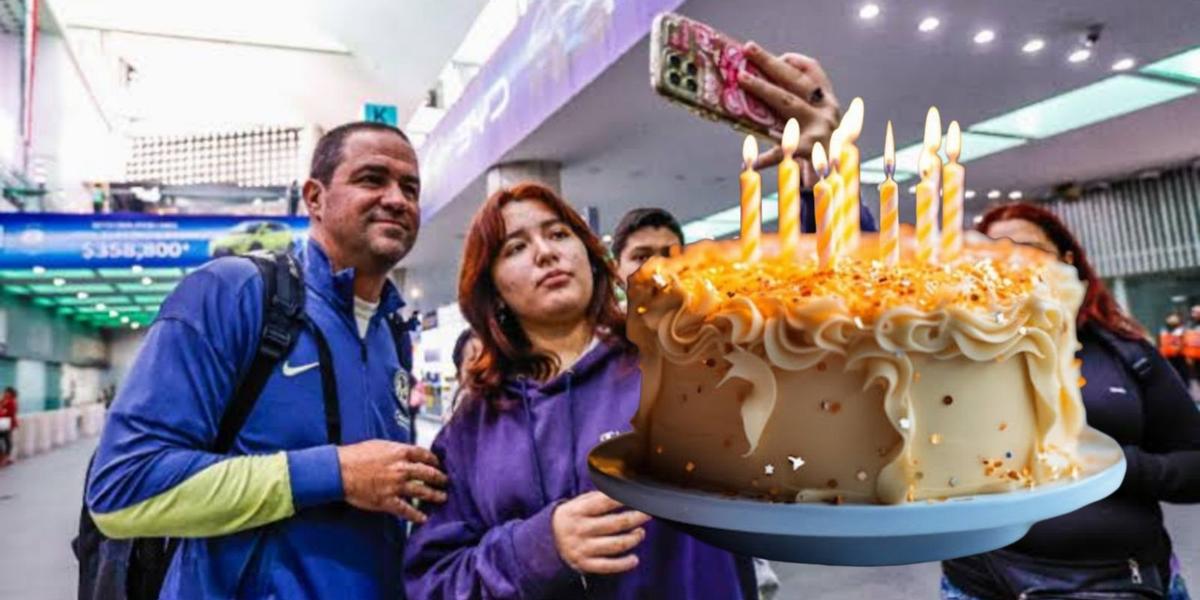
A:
(39, 511)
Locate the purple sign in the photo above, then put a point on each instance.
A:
(556, 49)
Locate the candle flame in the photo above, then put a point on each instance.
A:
(889, 151)
(749, 151)
(820, 163)
(835, 147)
(791, 137)
(953, 141)
(933, 130)
(852, 121)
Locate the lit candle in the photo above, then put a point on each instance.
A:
(952, 196)
(822, 197)
(789, 192)
(837, 195)
(927, 191)
(848, 168)
(889, 210)
(751, 203)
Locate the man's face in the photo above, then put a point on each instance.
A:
(369, 211)
(641, 245)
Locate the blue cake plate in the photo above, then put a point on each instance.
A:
(856, 535)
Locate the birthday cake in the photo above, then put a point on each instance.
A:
(860, 382)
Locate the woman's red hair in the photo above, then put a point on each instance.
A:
(1099, 307)
(506, 349)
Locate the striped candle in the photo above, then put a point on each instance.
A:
(953, 175)
(889, 209)
(848, 168)
(930, 165)
(751, 203)
(837, 197)
(789, 192)
(823, 195)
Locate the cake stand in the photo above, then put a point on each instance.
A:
(856, 535)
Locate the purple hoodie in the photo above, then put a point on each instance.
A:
(509, 468)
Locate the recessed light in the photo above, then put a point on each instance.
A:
(415, 293)
(39, 270)
(928, 24)
(969, 194)
(101, 306)
(1079, 55)
(135, 325)
(868, 11)
(82, 295)
(112, 313)
(1015, 195)
(1033, 46)
(985, 36)
(1124, 64)
(124, 319)
(994, 194)
(977, 220)
(60, 281)
(147, 281)
(136, 268)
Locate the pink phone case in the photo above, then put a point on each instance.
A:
(697, 66)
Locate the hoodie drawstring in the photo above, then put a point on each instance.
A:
(529, 427)
(572, 430)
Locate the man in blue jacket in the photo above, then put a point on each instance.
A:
(286, 514)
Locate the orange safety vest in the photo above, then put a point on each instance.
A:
(1170, 343)
(1191, 343)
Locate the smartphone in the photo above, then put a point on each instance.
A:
(696, 66)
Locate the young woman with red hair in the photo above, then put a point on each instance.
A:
(555, 376)
(1117, 547)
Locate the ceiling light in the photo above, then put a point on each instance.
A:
(929, 24)
(82, 295)
(1015, 195)
(101, 306)
(135, 325)
(970, 194)
(59, 281)
(1033, 46)
(124, 319)
(136, 268)
(415, 293)
(977, 220)
(147, 281)
(1124, 64)
(607, 239)
(1079, 55)
(112, 313)
(994, 194)
(39, 270)
(985, 36)
(868, 11)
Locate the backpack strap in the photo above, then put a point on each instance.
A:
(283, 317)
(333, 414)
(1134, 355)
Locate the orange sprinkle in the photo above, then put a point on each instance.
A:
(1003, 426)
(1077, 363)
(658, 450)
(935, 439)
(1082, 381)
(691, 466)
(641, 310)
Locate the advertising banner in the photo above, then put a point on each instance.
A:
(56, 241)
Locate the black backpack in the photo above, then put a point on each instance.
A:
(135, 569)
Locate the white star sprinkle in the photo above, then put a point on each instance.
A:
(797, 462)
(769, 469)
(905, 423)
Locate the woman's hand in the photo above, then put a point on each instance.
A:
(593, 538)
(795, 87)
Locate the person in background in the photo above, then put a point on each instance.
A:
(8, 423)
(555, 377)
(466, 349)
(1191, 349)
(642, 233)
(1117, 547)
(1170, 345)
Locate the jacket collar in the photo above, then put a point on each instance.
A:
(595, 359)
(338, 287)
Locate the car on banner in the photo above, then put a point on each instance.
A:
(249, 236)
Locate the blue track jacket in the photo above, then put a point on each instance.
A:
(267, 520)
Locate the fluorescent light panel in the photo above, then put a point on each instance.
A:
(48, 274)
(1100, 101)
(1184, 66)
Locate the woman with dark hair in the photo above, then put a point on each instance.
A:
(555, 377)
(1117, 547)
(466, 349)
